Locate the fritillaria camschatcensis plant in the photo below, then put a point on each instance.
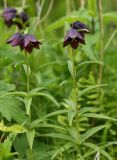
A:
(75, 36)
(27, 43)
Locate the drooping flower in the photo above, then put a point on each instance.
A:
(73, 38)
(30, 42)
(9, 14)
(25, 41)
(81, 27)
(76, 35)
(23, 17)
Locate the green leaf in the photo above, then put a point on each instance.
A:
(30, 136)
(26, 31)
(110, 40)
(90, 62)
(47, 125)
(92, 6)
(90, 132)
(98, 149)
(18, 93)
(74, 133)
(64, 148)
(10, 107)
(89, 153)
(46, 95)
(57, 135)
(28, 102)
(19, 63)
(35, 90)
(6, 87)
(64, 83)
(70, 67)
(5, 51)
(105, 154)
(94, 148)
(16, 128)
(70, 104)
(25, 68)
(80, 16)
(86, 109)
(71, 115)
(110, 16)
(100, 116)
(90, 88)
(37, 121)
(67, 26)
(5, 147)
(88, 49)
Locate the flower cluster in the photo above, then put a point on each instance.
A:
(76, 35)
(25, 41)
(10, 14)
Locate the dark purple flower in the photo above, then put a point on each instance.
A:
(73, 38)
(81, 27)
(16, 40)
(9, 14)
(23, 17)
(30, 42)
(26, 42)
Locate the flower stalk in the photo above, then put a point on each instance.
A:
(68, 7)
(28, 73)
(75, 96)
(82, 3)
(5, 3)
(75, 89)
(101, 39)
(28, 90)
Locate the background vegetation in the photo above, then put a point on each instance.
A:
(57, 130)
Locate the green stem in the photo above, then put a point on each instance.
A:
(23, 3)
(110, 39)
(28, 90)
(5, 3)
(30, 152)
(74, 80)
(101, 39)
(28, 73)
(68, 7)
(82, 3)
(39, 19)
(75, 92)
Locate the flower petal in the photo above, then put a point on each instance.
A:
(26, 41)
(36, 45)
(80, 38)
(31, 38)
(66, 42)
(80, 25)
(15, 42)
(72, 33)
(29, 48)
(74, 44)
(16, 35)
